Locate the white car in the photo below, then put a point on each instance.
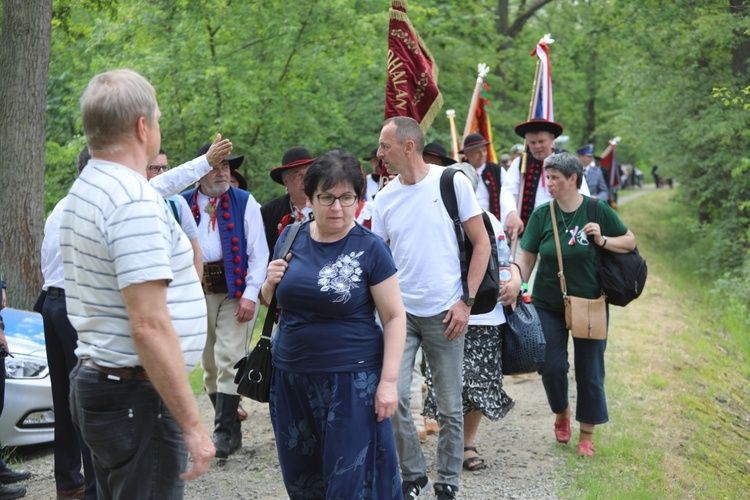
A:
(28, 417)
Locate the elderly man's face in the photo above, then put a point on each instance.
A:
(541, 144)
(294, 181)
(216, 182)
(476, 156)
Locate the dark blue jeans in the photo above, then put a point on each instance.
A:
(70, 451)
(137, 447)
(588, 355)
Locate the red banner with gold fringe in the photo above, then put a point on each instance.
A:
(412, 88)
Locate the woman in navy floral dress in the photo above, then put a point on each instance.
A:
(335, 369)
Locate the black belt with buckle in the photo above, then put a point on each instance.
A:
(53, 291)
(130, 373)
(214, 279)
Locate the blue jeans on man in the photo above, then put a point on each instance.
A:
(445, 358)
(136, 445)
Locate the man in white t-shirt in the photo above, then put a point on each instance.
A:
(135, 300)
(409, 214)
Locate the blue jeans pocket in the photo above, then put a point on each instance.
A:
(110, 434)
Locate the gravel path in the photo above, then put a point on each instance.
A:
(524, 460)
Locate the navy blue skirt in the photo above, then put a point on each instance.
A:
(329, 441)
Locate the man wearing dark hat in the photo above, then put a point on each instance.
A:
(540, 137)
(488, 191)
(236, 179)
(372, 180)
(292, 206)
(593, 173)
(435, 154)
(235, 256)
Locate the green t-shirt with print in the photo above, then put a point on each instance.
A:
(579, 257)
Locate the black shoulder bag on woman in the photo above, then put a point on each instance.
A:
(623, 275)
(254, 370)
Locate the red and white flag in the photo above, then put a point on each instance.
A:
(542, 105)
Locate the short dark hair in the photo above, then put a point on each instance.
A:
(408, 129)
(333, 168)
(566, 164)
(83, 158)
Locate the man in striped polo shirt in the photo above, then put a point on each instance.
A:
(134, 297)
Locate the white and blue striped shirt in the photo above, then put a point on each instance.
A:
(116, 231)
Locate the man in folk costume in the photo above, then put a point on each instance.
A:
(292, 206)
(488, 191)
(235, 256)
(540, 137)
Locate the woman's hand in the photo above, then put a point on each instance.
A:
(276, 270)
(386, 399)
(509, 292)
(594, 233)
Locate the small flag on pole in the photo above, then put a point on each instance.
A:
(479, 119)
(542, 105)
(412, 88)
(610, 165)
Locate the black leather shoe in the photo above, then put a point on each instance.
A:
(9, 492)
(8, 476)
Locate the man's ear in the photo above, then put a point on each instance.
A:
(141, 129)
(408, 146)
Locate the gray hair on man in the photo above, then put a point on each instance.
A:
(567, 164)
(111, 106)
(407, 129)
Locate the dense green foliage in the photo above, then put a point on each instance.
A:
(271, 74)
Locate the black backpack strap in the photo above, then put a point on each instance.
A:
(448, 194)
(173, 207)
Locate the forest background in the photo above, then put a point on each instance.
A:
(668, 76)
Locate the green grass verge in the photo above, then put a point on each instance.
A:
(196, 377)
(677, 376)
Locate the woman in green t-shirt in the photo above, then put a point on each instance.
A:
(563, 175)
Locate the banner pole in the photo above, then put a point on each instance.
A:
(451, 113)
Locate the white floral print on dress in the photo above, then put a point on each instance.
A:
(342, 276)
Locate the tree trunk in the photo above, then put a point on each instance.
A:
(24, 59)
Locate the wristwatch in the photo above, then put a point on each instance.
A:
(469, 301)
(605, 242)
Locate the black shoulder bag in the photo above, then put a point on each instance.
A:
(623, 275)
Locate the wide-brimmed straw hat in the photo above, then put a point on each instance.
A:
(538, 125)
(294, 157)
